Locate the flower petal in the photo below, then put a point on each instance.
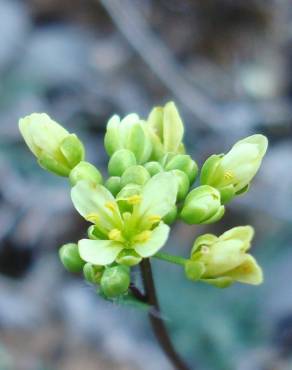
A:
(157, 239)
(248, 272)
(91, 198)
(99, 252)
(243, 233)
(159, 195)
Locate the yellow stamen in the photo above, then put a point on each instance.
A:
(92, 217)
(111, 206)
(134, 199)
(143, 237)
(154, 219)
(228, 175)
(115, 235)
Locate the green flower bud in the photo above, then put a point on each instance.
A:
(115, 281)
(130, 133)
(202, 206)
(184, 163)
(183, 184)
(120, 161)
(93, 273)
(135, 175)
(167, 130)
(56, 149)
(222, 260)
(85, 171)
(171, 216)
(231, 173)
(153, 168)
(113, 184)
(70, 257)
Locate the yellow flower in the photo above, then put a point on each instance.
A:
(223, 260)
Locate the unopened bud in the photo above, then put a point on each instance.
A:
(135, 175)
(202, 206)
(153, 168)
(120, 161)
(113, 184)
(85, 171)
(115, 281)
(184, 163)
(70, 257)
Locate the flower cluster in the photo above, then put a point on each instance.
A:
(150, 186)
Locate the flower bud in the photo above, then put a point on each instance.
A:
(171, 216)
(56, 149)
(120, 161)
(153, 168)
(222, 260)
(232, 173)
(183, 184)
(129, 133)
(85, 171)
(202, 206)
(115, 281)
(184, 163)
(70, 257)
(135, 175)
(93, 273)
(113, 184)
(167, 130)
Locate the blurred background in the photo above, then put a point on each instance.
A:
(227, 65)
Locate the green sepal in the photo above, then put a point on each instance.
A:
(171, 216)
(72, 149)
(219, 282)
(244, 190)
(112, 141)
(194, 270)
(92, 273)
(94, 234)
(183, 184)
(139, 143)
(120, 161)
(220, 213)
(211, 173)
(227, 193)
(51, 164)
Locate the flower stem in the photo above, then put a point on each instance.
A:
(157, 323)
(170, 258)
